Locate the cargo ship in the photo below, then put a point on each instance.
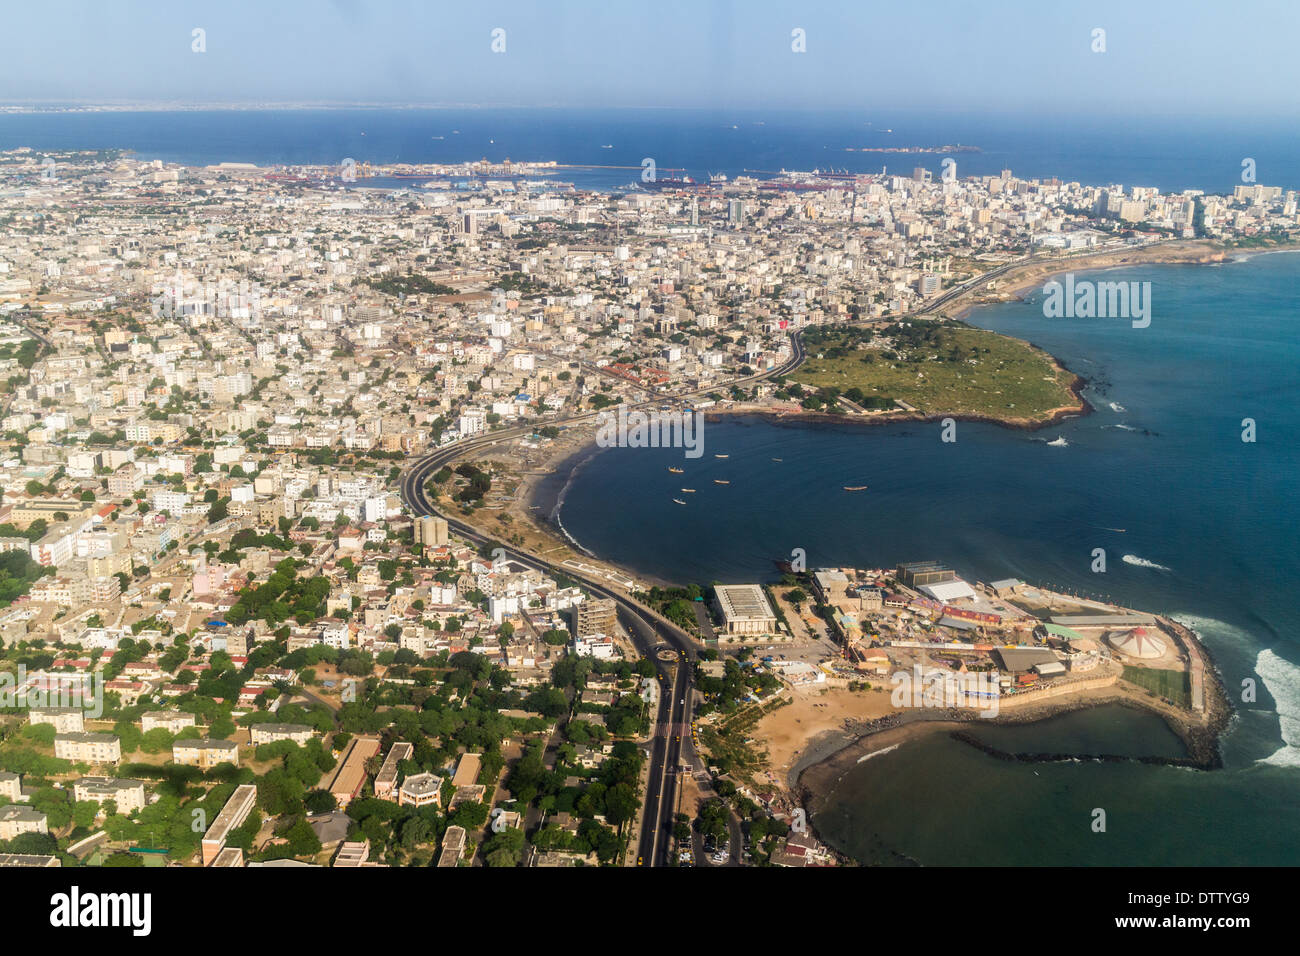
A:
(720, 481)
(689, 491)
(669, 182)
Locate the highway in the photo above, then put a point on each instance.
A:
(650, 631)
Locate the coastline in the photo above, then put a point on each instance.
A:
(536, 501)
(831, 755)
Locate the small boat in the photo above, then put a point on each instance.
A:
(608, 146)
(721, 456)
(675, 471)
(855, 487)
(778, 459)
(679, 501)
(719, 481)
(689, 491)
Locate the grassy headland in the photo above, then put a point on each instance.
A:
(937, 367)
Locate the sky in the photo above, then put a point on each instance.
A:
(1181, 57)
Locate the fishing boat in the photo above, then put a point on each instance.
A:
(679, 501)
(855, 487)
(720, 481)
(675, 471)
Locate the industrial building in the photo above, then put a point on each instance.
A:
(914, 574)
(744, 610)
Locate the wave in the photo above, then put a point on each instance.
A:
(1059, 442)
(1282, 679)
(877, 753)
(554, 516)
(1142, 562)
(1127, 428)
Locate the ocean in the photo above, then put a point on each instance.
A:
(1170, 154)
(1194, 522)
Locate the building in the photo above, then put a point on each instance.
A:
(467, 770)
(231, 816)
(270, 733)
(173, 721)
(204, 753)
(386, 779)
(917, 573)
(596, 645)
(127, 794)
(453, 846)
(66, 720)
(744, 610)
(945, 591)
(28, 859)
(351, 774)
(595, 617)
(88, 748)
(17, 820)
(420, 790)
(352, 854)
(431, 531)
(11, 786)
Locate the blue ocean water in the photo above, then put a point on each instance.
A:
(1194, 521)
(1167, 153)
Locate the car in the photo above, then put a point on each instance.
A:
(683, 700)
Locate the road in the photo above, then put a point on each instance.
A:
(650, 631)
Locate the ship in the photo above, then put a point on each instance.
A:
(855, 487)
(669, 182)
(721, 456)
(718, 178)
(778, 459)
(720, 481)
(675, 471)
(679, 501)
(689, 491)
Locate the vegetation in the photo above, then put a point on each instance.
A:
(937, 367)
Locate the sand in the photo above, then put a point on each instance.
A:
(813, 721)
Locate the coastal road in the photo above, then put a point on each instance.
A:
(649, 630)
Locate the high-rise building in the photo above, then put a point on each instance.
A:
(595, 617)
(430, 531)
(736, 211)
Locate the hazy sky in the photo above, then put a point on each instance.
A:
(1181, 56)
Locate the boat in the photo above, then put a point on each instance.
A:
(778, 459)
(689, 491)
(608, 146)
(719, 481)
(675, 471)
(721, 456)
(679, 501)
(855, 487)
